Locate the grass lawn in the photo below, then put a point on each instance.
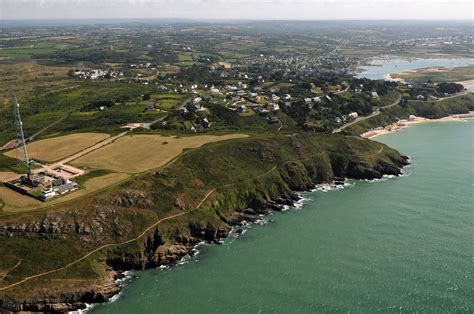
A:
(139, 153)
(56, 148)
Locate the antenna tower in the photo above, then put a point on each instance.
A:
(21, 150)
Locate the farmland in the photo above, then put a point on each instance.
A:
(139, 153)
(56, 148)
(180, 127)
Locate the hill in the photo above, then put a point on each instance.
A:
(158, 217)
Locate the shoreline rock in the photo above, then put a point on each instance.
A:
(166, 246)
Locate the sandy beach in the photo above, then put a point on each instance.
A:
(405, 123)
(469, 84)
(388, 77)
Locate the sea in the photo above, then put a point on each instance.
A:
(397, 245)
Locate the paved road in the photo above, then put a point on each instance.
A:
(148, 124)
(373, 114)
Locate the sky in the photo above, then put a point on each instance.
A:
(238, 9)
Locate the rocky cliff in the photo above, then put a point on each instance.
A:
(207, 191)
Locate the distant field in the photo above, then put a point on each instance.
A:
(23, 77)
(56, 148)
(26, 52)
(134, 154)
(437, 74)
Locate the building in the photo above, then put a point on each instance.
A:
(67, 187)
(47, 194)
(353, 115)
(241, 108)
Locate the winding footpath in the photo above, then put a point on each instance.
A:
(109, 245)
(208, 194)
(148, 229)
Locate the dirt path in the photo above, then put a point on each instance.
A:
(32, 137)
(108, 245)
(10, 270)
(90, 149)
(208, 194)
(205, 198)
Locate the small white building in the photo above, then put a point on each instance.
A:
(353, 115)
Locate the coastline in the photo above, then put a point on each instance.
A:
(238, 228)
(394, 127)
(468, 84)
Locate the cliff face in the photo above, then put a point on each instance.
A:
(245, 200)
(207, 191)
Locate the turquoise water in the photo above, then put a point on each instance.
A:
(397, 65)
(400, 245)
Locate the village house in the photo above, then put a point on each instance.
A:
(274, 107)
(353, 115)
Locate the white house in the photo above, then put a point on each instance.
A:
(353, 115)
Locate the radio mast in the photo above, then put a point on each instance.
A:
(21, 150)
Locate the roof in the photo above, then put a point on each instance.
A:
(67, 187)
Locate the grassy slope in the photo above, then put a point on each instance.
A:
(427, 109)
(242, 171)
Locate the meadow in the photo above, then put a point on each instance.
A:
(139, 153)
(57, 148)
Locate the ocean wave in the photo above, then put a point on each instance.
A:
(333, 186)
(128, 276)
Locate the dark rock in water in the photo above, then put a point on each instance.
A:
(249, 211)
(389, 169)
(339, 180)
(361, 172)
(170, 244)
(64, 302)
(284, 201)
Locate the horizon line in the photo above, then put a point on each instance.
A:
(232, 19)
